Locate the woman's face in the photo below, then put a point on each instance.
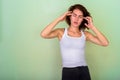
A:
(76, 18)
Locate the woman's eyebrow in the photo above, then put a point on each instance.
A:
(76, 14)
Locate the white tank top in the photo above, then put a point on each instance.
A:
(73, 50)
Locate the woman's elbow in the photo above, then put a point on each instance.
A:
(105, 44)
(42, 35)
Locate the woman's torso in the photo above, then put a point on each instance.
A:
(73, 49)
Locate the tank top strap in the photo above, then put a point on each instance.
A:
(82, 32)
(65, 31)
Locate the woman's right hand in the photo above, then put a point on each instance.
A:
(63, 17)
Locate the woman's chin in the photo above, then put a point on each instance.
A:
(76, 26)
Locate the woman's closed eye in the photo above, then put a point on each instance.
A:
(74, 15)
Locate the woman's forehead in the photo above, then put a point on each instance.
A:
(77, 11)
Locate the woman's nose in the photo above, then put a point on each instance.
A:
(77, 18)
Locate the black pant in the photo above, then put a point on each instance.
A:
(77, 73)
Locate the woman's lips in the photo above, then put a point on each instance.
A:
(75, 22)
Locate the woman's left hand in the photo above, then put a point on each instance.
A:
(90, 24)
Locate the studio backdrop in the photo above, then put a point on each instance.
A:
(24, 55)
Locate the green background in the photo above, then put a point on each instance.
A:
(24, 55)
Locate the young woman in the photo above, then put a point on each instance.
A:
(72, 41)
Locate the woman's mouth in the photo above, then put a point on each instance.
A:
(76, 23)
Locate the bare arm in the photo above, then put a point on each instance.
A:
(49, 31)
(98, 38)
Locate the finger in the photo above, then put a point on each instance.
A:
(69, 13)
(89, 18)
(86, 24)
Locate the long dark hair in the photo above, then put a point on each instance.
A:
(84, 11)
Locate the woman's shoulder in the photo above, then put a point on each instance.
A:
(88, 34)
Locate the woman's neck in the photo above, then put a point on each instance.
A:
(74, 29)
